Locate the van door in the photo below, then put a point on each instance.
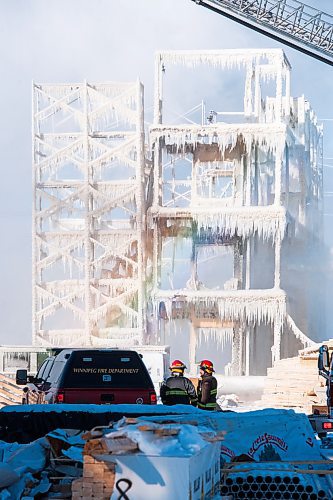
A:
(34, 391)
(53, 380)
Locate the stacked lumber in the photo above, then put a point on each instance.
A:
(98, 476)
(103, 444)
(295, 383)
(10, 393)
(97, 480)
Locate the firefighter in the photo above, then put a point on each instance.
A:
(178, 389)
(207, 387)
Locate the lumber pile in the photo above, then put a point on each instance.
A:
(104, 447)
(97, 480)
(295, 383)
(98, 476)
(10, 393)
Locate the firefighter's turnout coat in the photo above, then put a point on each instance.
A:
(207, 391)
(178, 390)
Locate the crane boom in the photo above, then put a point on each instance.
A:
(289, 21)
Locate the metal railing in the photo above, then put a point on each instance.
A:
(289, 21)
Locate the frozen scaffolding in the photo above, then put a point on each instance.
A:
(88, 186)
(210, 228)
(246, 184)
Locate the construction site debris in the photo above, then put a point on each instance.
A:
(228, 401)
(145, 456)
(223, 452)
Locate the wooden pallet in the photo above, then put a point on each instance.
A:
(10, 393)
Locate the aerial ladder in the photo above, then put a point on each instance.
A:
(291, 22)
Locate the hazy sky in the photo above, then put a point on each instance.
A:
(102, 40)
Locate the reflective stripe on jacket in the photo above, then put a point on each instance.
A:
(178, 390)
(207, 392)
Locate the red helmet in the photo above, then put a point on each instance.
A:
(177, 366)
(207, 366)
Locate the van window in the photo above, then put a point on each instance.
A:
(44, 370)
(56, 371)
(107, 369)
(48, 368)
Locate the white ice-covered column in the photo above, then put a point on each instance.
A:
(157, 160)
(278, 171)
(287, 102)
(194, 197)
(257, 93)
(240, 192)
(303, 186)
(287, 174)
(236, 351)
(192, 350)
(87, 243)
(203, 113)
(247, 344)
(193, 267)
(248, 265)
(33, 362)
(157, 181)
(248, 91)
(238, 264)
(277, 269)
(158, 89)
(255, 176)
(156, 260)
(35, 323)
(248, 180)
(279, 90)
(141, 211)
(248, 349)
(276, 348)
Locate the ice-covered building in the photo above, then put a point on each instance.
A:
(236, 208)
(201, 235)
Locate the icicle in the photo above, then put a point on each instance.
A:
(220, 336)
(253, 306)
(243, 221)
(232, 58)
(306, 341)
(224, 135)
